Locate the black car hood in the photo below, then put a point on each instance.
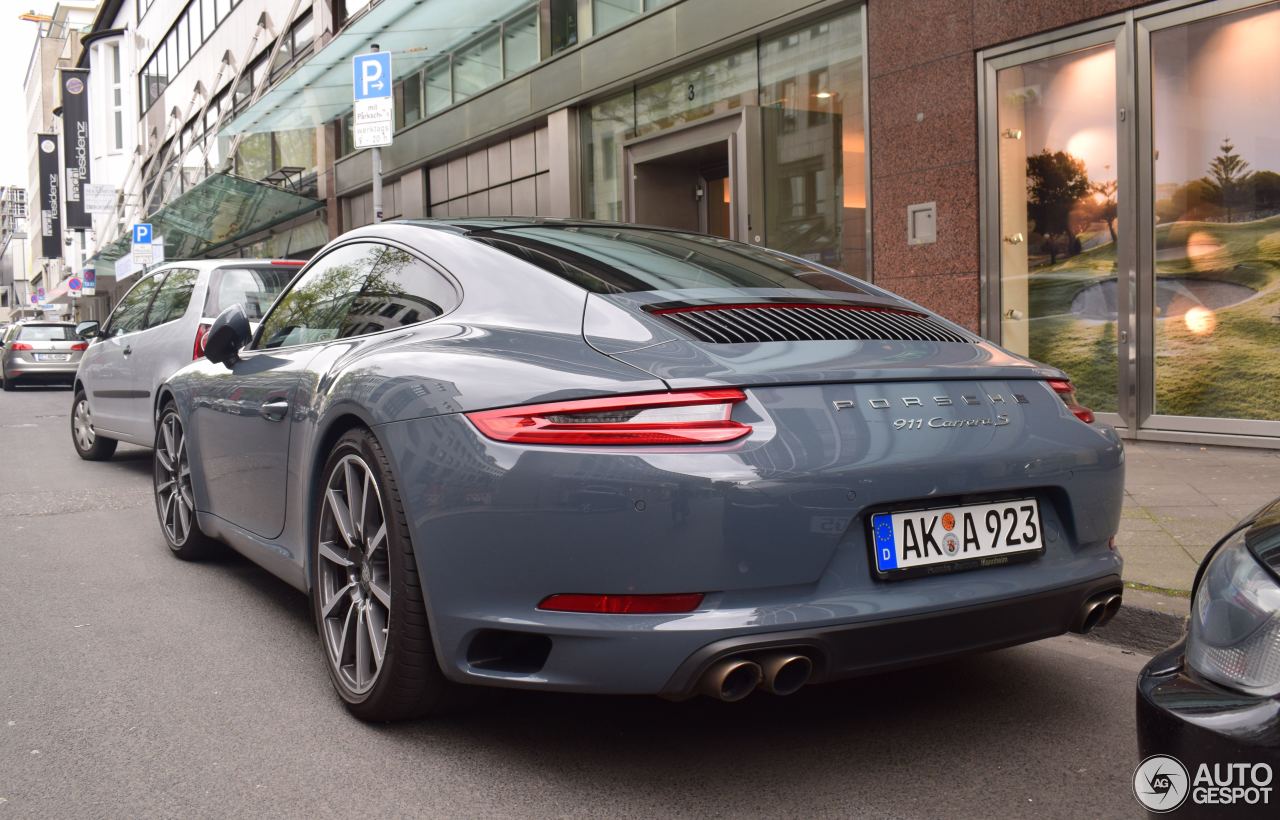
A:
(1263, 536)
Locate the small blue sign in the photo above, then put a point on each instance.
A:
(371, 75)
(142, 233)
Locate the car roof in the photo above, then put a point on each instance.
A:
(211, 264)
(466, 225)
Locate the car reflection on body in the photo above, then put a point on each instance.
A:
(602, 458)
(1214, 697)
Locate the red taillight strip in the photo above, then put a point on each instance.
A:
(530, 424)
(1067, 393)
(622, 604)
(791, 305)
(291, 263)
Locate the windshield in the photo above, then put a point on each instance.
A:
(47, 333)
(253, 288)
(625, 260)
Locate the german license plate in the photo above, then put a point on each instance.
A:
(924, 542)
(53, 357)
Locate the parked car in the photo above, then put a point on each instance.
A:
(40, 351)
(156, 328)
(1214, 696)
(604, 458)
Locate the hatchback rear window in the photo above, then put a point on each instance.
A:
(253, 288)
(625, 260)
(47, 333)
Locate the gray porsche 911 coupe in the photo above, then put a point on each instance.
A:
(603, 458)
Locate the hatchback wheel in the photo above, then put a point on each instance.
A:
(89, 445)
(175, 502)
(366, 593)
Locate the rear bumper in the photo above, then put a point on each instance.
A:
(16, 368)
(1182, 715)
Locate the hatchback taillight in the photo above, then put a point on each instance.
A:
(1068, 395)
(80, 346)
(695, 417)
(202, 332)
(20, 346)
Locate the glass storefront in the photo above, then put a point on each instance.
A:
(803, 93)
(1215, 118)
(1141, 254)
(1058, 223)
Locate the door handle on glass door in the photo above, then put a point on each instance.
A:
(275, 410)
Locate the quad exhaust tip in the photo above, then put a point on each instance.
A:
(1096, 612)
(784, 674)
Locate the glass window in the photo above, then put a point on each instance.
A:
(409, 102)
(439, 90)
(47, 333)
(604, 129)
(403, 290)
(253, 157)
(719, 85)
(564, 24)
(182, 42)
(1056, 158)
(315, 308)
(1215, 96)
(132, 309)
(295, 149)
(193, 25)
(477, 67)
(613, 260)
(209, 22)
(520, 43)
(221, 8)
(607, 14)
(173, 297)
(254, 289)
(815, 142)
(303, 33)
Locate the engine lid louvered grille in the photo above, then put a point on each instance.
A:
(751, 323)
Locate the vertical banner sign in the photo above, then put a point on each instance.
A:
(75, 145)
(50, 207)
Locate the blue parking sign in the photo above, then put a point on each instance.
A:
(371, 75)
(142, 233)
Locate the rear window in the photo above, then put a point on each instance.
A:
(626, 260)
(47, 333)
(253, 288)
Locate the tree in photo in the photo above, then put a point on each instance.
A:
(1228, 179)
(1056, 182)
(1105, 208)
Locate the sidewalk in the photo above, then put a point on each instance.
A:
(1180, 499)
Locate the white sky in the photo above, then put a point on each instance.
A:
(16, 41)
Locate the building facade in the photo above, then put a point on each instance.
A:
(1094, 184)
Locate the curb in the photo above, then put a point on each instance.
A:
(1148, 622)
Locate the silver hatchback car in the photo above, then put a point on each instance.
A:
(40, 351)
(156, 328)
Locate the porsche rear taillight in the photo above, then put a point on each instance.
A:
(202, 332)
(622, 604)
(694, 417)
(1068, 395)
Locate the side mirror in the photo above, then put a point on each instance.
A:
(88, 330)
(227, 335)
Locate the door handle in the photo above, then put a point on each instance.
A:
(275, 410)
(128, 350)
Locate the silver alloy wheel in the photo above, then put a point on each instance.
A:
(354, 574)
(82, 425)
(173, 480)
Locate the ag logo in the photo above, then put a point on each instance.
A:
(75, 85)
(47, 146)
(1161, 783)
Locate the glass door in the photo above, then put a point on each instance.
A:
(1055, 186)
(1210, 182)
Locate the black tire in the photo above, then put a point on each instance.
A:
(408, 683)
(10, 385)
(89, 445)
(171, 485)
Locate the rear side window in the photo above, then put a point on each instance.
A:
(47, 333)
(173, 297)
(316, 307)
(132, 309)
(253, 288)
(403, 290)
(626, 260)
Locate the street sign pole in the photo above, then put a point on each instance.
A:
(377, 173)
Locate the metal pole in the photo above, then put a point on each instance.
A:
(377, 173)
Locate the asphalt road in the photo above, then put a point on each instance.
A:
(132, 684)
